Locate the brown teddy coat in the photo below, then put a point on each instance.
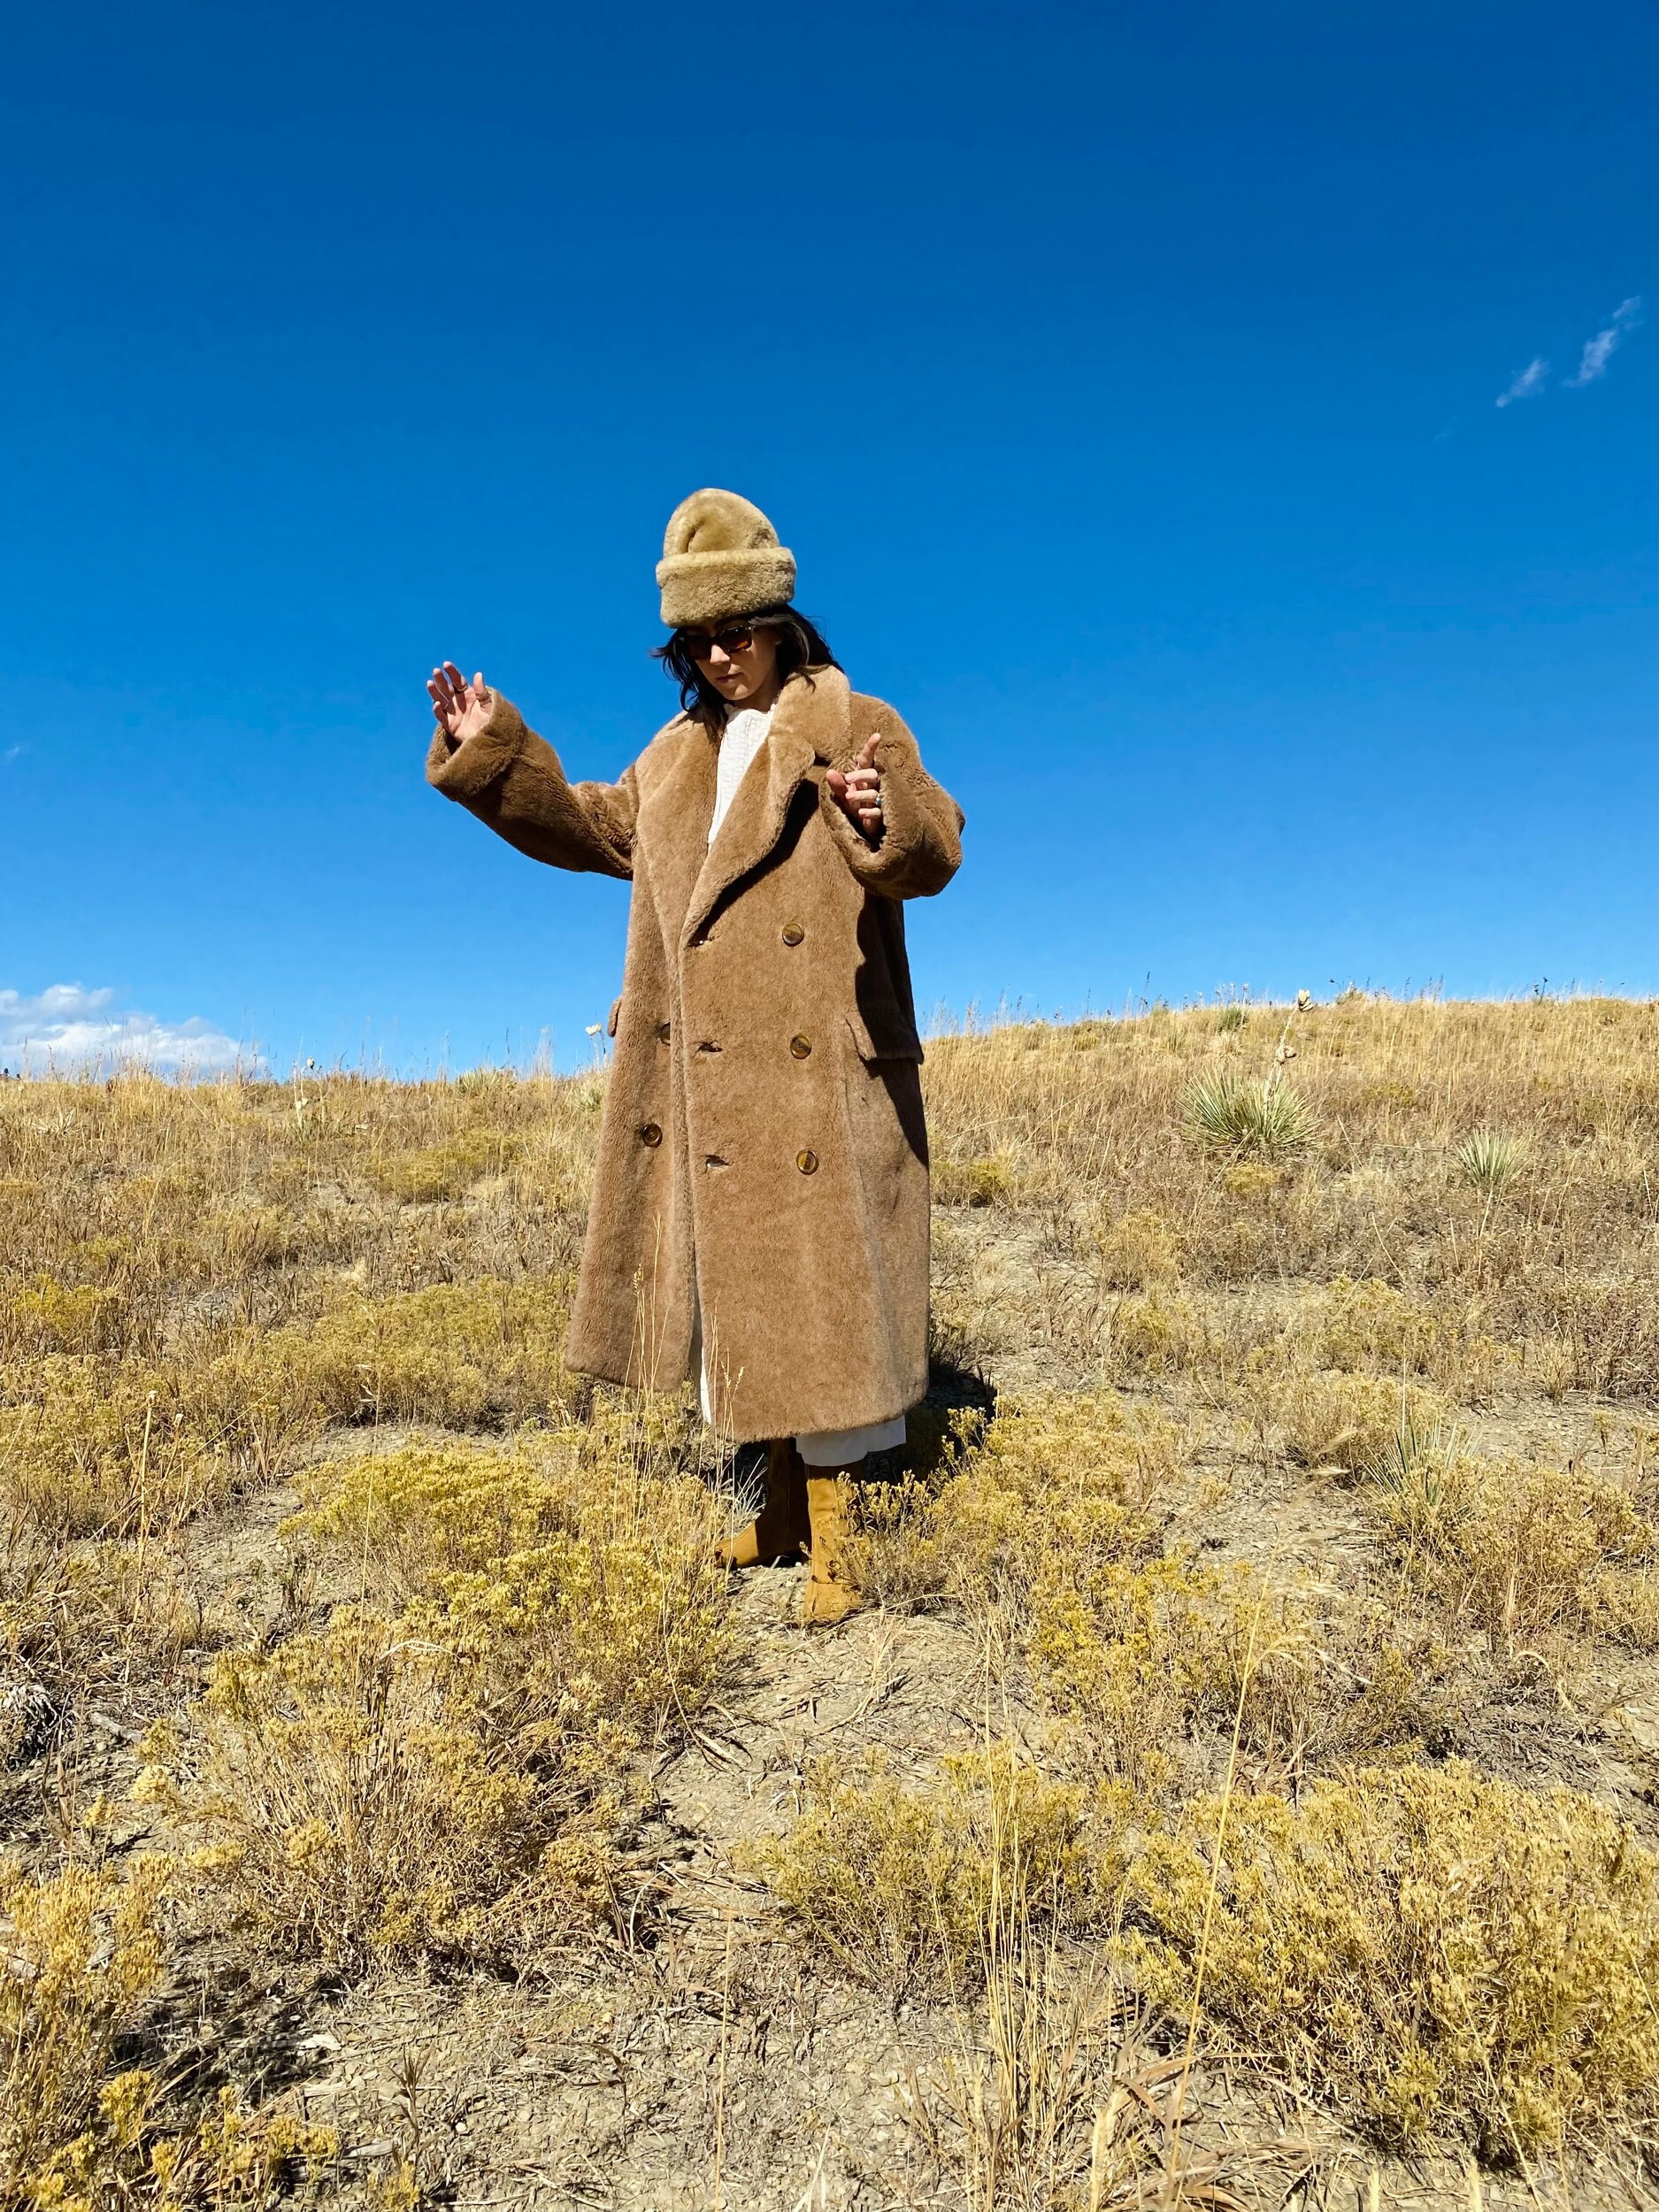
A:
(764, 1108)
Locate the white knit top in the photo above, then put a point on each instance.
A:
(740, 741)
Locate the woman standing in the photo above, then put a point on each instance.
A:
(760, 1208)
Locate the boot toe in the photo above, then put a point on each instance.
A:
(741, 1550)
(824, 1604)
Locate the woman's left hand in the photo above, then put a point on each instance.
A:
(858, 792)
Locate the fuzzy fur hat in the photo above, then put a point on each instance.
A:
(721, 558)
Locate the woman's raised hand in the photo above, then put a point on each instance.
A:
(858, 792)
(460, 707)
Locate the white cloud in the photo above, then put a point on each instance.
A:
(70, 1030)
(1599, 350)
(1527, 383)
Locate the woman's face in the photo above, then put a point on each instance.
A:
(740, 662)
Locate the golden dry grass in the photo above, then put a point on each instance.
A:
(1315, 1457)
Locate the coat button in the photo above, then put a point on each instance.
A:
(662, 1029)
(801, 1046)
(650, 1134)
(793, 932)
(806, 1162)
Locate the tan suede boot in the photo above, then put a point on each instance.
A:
(779, 1534)
(831, 1594)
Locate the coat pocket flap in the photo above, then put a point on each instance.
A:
(882, 1033)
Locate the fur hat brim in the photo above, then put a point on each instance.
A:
(718, 586)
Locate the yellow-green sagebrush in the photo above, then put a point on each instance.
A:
(1437, 1954)
(445, 1765)
(82, 1958)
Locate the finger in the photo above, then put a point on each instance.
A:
(866, 759)
(453, 677)
(837, 783)
(481, 689)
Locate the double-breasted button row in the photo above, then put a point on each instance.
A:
(652, 1136)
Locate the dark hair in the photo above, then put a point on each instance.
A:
(801, 647)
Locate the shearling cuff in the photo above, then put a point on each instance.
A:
(902, 860)
(485, 756)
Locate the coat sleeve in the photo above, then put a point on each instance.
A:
(919, 848)
(512, 780)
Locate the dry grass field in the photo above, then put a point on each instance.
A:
(1241, 1790)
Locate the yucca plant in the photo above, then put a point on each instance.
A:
(1488, 1160)
(1421, 1473)
(1233, 1114)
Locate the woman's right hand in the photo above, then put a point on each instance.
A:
(461, 709)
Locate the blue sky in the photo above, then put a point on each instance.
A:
(1127, 381)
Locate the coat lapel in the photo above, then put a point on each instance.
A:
(810, 727)
(674, 826)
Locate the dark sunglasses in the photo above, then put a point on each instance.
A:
(700, 644)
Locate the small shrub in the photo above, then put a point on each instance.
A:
(900, 1552)
(459, 1354)
(1250, 1178)
(80, 1958)
(1137, 1250)
(91, 1446)
(585, 1594)
(1339, 1424)
(1607, 1328)
(899, 1884)
(1370, 1323)
(354, 1807)
(1229, 1113)
(1074, 1473)
(73, 1621)
(451, 1169)
(232, 2157)
(1113, 1650)
(1053, 1474)
(1422, 1479)
(419, 1780)
(405, 1519)
(55, 1317)
(1156, 1333)
(1526, 1554)
(984, 1181)
(1137, 1653)
(1435, 1953)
